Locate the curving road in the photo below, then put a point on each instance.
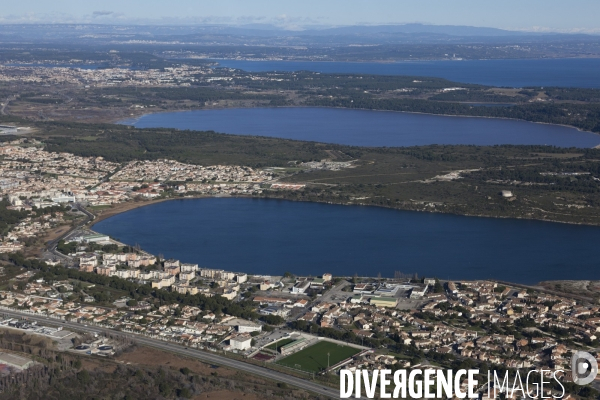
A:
(5, 104)
(207, 357)
(51, 245)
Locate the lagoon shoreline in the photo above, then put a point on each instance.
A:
(216, 239)
(136, 118)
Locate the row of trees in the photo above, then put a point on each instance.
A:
(582, 116)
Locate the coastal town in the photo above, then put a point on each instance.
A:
(372, 323)
(416, 323)
(102, 77)
(33, 177)
(281, 200)
(380, 322)
(90, 76)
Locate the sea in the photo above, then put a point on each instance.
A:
(558, 72)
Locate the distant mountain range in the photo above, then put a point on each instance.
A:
(415, 28)
(33, 30)
(274, 36)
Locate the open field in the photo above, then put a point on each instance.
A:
(148, 356)
(314, 358)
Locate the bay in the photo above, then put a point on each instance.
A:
(262, 236)
(369, 128)
(563, 72)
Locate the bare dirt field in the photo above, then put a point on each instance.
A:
(119, 208)
(581, 288)
(154, 357)
(228, 395)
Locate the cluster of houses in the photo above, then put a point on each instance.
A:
(167, 274)
(169, 170)
(183, 75)
(453, 322)
(29, 227)
(180, 324)
(278, 306)
(443, 323)
(302, 285)
(558, 320)
(32, 177)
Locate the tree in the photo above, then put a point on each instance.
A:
(164, 389)
(83, 376)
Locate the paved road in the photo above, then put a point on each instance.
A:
(200, 355)
(207, 357)
(3, 109)
(53, 243)
(334, 294)
(545, 290)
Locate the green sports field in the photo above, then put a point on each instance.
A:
(314, 358)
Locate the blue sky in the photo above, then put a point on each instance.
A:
(540, 15)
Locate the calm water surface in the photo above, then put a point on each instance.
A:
(568, 72)
(273, 236)
(368, 128)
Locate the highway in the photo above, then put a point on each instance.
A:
(53, 243)
(207, 357)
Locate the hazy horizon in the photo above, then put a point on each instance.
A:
(577, 16)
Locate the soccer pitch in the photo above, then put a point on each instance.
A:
(314, 358)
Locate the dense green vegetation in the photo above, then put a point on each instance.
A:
(8, 217)
(573, 94)
(475, 96)
(196, 94)
(582, 116)
(122, 143)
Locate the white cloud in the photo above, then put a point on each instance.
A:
(284, 21)
(102, 13)
(546, 29)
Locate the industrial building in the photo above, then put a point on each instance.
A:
(384, 301)
(241, 342)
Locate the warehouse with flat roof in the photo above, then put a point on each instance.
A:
(384, 301)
